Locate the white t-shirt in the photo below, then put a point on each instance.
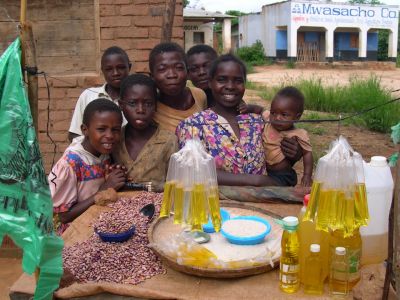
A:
(85, 98)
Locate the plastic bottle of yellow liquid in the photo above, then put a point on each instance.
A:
(353, 247)
(339, 273)
(313, 280)
(309, 235)
(379, 186)
(289, 266)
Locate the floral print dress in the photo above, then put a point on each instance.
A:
(237, 155)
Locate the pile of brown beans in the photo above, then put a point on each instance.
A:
(129, 262)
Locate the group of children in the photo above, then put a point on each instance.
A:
(109, 148)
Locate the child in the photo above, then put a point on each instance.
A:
(145, 148)
(287, 105)
(81, 171)
(200, 59)
(115, 66)
(167, 63)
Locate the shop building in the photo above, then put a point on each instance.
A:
(321, 31)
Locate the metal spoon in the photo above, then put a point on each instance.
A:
(148, 211)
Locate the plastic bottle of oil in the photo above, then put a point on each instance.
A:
(353, 246)
(309, 235)
(339, 273)
(313, 280)
(289, 266)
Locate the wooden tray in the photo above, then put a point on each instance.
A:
(163, 228)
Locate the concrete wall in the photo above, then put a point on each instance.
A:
(71, 35)
(191, 27)
(250, 29)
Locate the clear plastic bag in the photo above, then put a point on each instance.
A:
(338, 195)
(191, 190)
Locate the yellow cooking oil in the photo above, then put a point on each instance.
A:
(289, 264)
(213, 204)
(361, 205)
(178, 204)
(201, 202)
(353, 246)
(339, 212)
(313, 203)
(313, 278)
(324, 209)
(187, 206)
(195, 255)
(167, 198)
(350, 224)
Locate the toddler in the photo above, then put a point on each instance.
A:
(286, 106)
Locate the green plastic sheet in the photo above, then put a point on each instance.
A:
(25, 204)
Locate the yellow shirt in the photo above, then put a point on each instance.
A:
(169, 117)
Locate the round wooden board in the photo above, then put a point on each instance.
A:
(164, 228)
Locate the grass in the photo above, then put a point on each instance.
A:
(358, 95)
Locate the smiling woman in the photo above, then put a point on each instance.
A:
(233, 139)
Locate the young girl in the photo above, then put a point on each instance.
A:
(145, 148)
(115, 66)
(233, 139)
(81, 171)
(167, 63)
(286, 106)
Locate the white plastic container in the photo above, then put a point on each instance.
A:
(379, 184)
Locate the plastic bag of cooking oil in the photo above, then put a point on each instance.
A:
(191, 189)
(338, 196)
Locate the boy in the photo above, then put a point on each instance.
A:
(287, 106)
(115, 66)
(167, 64)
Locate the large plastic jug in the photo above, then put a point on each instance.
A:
(379, 184)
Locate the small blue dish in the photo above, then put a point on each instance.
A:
(248, 240)
(116, 237)
(209, 227)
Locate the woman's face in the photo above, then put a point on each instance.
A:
(169, 73)
(138, 105)
(228, 84)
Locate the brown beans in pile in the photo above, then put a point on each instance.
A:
(129, 262)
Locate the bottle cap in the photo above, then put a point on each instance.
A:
(306, 199)
(315, 248)
(340, 251)
(378, 161)
(290, 221)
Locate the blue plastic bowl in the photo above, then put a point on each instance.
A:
(116, 237)
(248, 240)
(209, 227)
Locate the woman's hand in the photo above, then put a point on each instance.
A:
(291, 149)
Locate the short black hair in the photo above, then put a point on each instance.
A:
(99, 105)
(226, 58)
(202, 48)
(294, 94)
(137, 79)
(165, 48)
(115, 50)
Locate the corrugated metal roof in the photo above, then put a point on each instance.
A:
(200, 13)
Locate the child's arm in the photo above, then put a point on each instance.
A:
(245, 108)
(308, 167)
(115, 179)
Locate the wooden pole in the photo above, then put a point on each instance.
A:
(168, 21)
(396, 250)
(29, 59)
(389, 264)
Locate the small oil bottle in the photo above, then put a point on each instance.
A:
(339, 275)
(289, 266)
(313, 278)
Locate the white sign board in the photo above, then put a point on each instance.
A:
(313, 14)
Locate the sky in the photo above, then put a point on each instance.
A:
(248, 5)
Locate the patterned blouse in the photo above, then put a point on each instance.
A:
(243, 155)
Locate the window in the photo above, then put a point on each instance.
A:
(198, 37)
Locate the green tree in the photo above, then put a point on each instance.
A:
(185, 2)
(365, 2)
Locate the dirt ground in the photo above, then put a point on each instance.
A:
(366, 142)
